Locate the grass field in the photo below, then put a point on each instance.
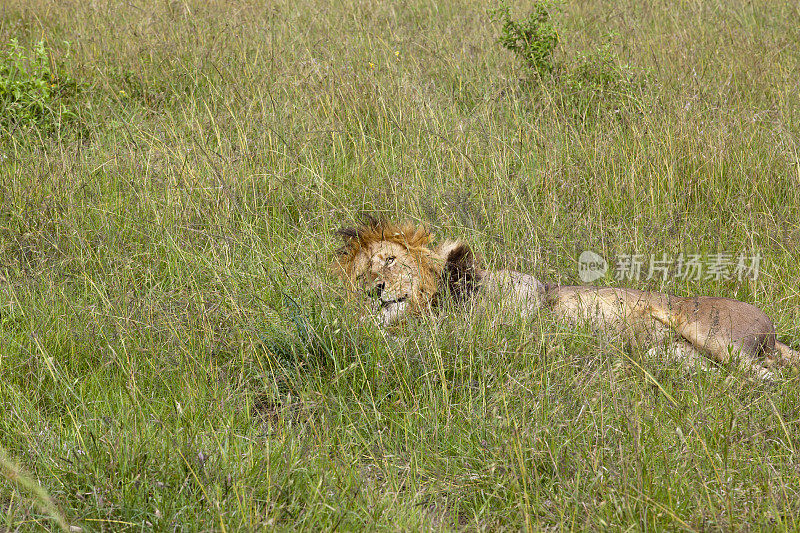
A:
(174, 355)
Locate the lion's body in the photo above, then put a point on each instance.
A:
(405, 276)
(645, 318)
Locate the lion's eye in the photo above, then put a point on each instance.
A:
(390, 260)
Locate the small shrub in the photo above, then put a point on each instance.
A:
(31, 92)
(533, 39)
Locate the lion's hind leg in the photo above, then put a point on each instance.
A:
(683, 352)
(690, 358)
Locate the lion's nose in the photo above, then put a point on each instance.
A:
(377, 290)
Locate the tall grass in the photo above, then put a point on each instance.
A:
(174, 355)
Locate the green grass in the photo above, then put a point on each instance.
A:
(174, 355)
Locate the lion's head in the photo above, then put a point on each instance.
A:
(395, 266)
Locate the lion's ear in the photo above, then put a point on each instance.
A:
(461, 271)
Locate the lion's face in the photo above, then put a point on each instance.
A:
(394, 279)
(396, 270)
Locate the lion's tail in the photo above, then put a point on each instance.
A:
(665, 316)
(788, 356)
(672, 320)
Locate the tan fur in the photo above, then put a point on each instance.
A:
(719, 328)
(396, 265)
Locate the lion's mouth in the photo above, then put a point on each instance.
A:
(387, 303)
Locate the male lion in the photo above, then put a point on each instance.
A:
(398, 269)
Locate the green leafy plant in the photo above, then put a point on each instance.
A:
(31, 91)
(585, 86)
(533, 39)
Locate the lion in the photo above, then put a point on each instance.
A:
(396, 266)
